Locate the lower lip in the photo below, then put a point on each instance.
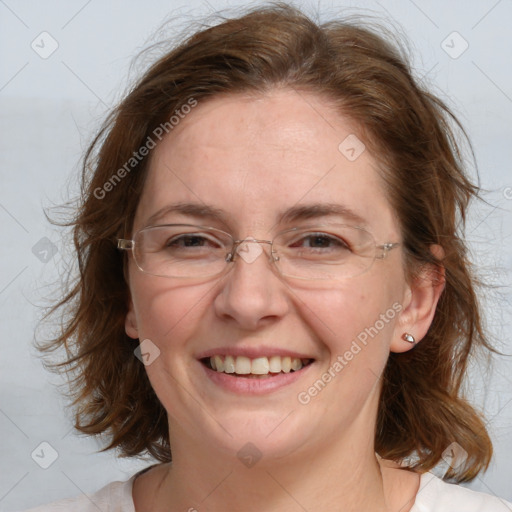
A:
(254, 385)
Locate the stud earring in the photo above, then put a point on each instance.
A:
(408, 337)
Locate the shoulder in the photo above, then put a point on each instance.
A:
(435, 495)
(114, 497)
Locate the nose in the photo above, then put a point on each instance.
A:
(252, 293)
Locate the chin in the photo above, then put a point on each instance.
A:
(263, 434)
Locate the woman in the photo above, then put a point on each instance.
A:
(273, 284)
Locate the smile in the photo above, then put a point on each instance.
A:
(257, 367)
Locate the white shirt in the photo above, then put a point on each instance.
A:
(434, 495)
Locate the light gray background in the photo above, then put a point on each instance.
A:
(49, 111)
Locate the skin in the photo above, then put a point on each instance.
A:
(254, 157)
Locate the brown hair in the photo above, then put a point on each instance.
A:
(407, 129)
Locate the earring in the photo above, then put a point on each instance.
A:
(408, 337)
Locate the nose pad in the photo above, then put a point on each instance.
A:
(250, 250)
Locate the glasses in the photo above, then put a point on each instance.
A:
(331, 251)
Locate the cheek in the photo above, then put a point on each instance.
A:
(168, 315)
(353, 318)
(355, 328)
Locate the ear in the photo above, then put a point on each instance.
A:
(130, 322)
(419, 303)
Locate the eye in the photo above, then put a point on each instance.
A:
(320, 241)
(191, 240)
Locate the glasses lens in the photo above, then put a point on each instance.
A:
(327, 252)
(181, 250)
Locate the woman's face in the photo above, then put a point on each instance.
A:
(251, 159)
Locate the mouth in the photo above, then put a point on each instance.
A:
(255, 368)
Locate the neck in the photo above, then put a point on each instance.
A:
(347, 480)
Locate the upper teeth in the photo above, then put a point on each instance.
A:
(258, 366)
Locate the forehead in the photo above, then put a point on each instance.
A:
(254, 156)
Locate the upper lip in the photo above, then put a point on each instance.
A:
(252, 352)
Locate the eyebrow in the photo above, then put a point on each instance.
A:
(201, 211)
(317, 210)
(293, 214)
